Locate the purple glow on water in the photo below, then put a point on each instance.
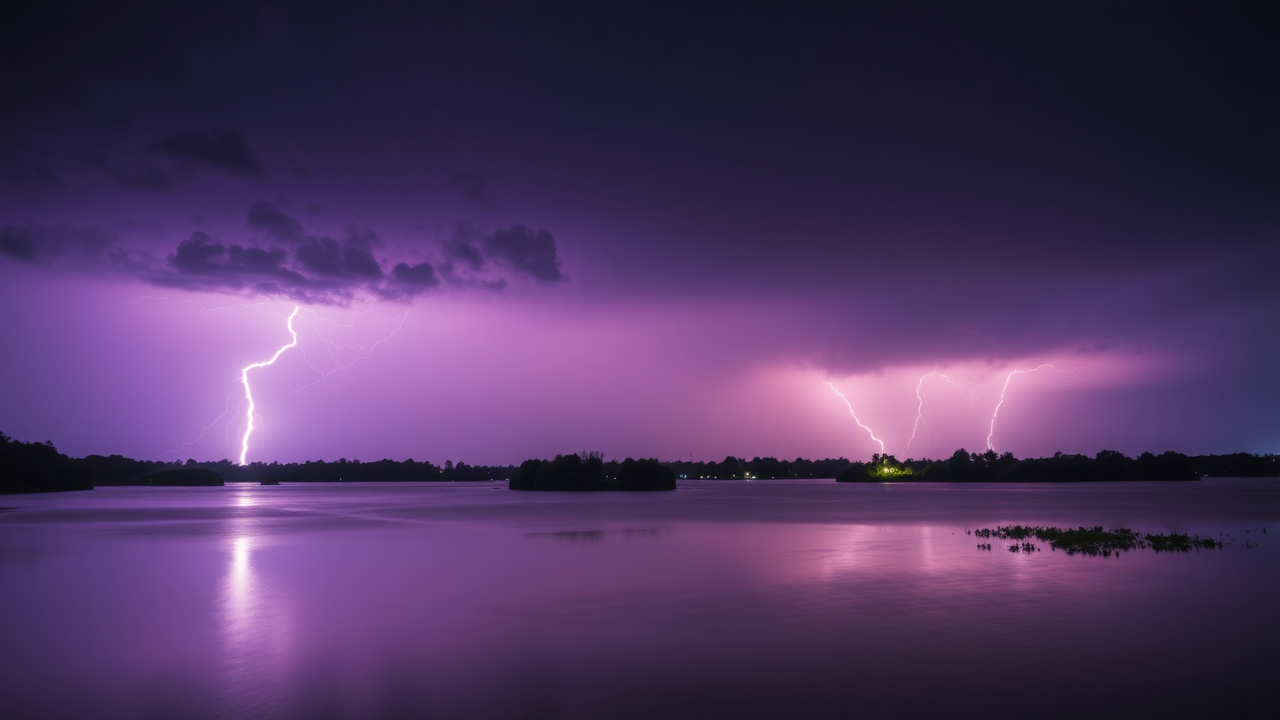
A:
(785, 598)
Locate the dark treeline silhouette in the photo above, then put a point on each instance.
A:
(1237, 465)
(588, 471)
(185, 476)
(32, 467)
(27, 467)
(1106, 466)
(765, 468)
(118, 470)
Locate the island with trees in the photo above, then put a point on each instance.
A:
(588, 472)
(184, 477)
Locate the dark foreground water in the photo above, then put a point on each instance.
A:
(738, 600)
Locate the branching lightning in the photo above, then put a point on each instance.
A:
(362, 352)
(228, 411)
(244, 379)
(855, 416)
(340, 357)
(996, 413)
(969, 392)
(920, 406)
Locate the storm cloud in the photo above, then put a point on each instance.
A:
(224, 148)
(56, 245)
(761, 189)
(267, 218)
(471, 187)
(526, 252)
(281, 258)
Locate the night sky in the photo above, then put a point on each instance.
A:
(516, 230)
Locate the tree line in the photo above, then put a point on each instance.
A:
(1106, 466)
(32, 467)
(119, 470)
(27, 467)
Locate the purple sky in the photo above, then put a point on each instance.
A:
(521, 230)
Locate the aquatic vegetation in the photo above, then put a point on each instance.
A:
(1181, 542)
(1095, 540)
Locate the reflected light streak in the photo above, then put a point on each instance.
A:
(240, 578)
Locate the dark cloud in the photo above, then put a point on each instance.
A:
(132, 172)
(420, 275)
(234, 266)
(326, 257)
(465, 260)
(147, 177)
(285, 261)
(18, 244)
(46, 245)
(308, 268)
(267, 218)
(449, 274)
(407, 281)
(471, 186)
(526, 252)
(29, 176)
(224, 148)
(461, 250)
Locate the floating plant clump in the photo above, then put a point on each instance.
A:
(1093, 541)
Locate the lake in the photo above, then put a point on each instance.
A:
(762, 599)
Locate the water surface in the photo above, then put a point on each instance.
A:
(722, 599)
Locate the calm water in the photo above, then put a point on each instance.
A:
(764, 599)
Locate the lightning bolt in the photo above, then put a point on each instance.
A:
(237, 396)
(244, 380)
(992, 430)
(920, 406)
(920, 413)
(855, 416)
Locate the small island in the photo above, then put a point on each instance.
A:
(185, 477)
(586, 472)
